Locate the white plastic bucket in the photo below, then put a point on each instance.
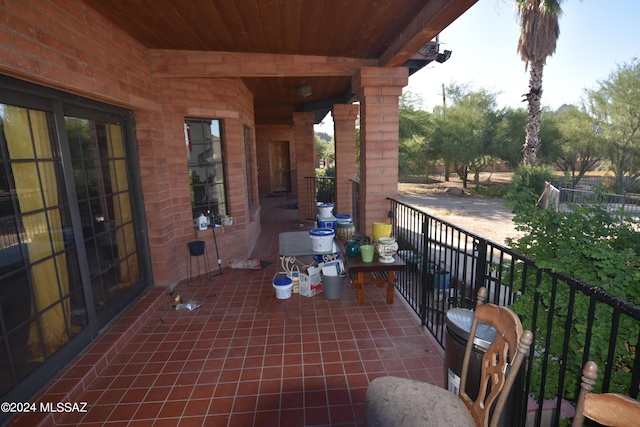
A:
(283, 286)
(325, 210)
(343, 218)
(322, 239)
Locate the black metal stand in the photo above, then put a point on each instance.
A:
(197, 250)
(215, 242)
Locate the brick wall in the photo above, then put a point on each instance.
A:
(230, 101)
(66, 45)
(344, 117)
(378, 90)
(305, 160)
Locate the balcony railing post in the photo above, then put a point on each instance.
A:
(480, 247)
(424, 275)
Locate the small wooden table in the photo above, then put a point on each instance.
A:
(357, 267)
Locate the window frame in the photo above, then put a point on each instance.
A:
(213, 168)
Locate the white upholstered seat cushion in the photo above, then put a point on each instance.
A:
(401, 402)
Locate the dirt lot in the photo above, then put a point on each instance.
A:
(482, 215)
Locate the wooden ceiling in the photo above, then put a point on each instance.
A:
(382, 32)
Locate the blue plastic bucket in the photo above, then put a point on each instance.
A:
(441, 279)
(327, 222)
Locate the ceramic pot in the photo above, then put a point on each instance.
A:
(345, 231)
(387, 248)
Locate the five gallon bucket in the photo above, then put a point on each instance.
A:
(329, 222)
(283, 286)
(332, 286)
(322, 239)
(325, 210)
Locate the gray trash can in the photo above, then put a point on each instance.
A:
(458, 322)
(332, 286)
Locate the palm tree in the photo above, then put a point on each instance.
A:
(539, 31)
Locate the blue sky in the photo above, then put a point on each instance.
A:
(595, 37)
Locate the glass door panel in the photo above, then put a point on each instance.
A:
(42, 305)
(102, 190)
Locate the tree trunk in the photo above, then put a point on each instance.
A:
(532, 130)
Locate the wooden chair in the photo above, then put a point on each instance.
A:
(395, 402)
(608, 409)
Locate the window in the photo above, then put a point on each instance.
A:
(206, 168)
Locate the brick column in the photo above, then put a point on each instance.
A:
(344, 128)
(378, 90)
(305, 161)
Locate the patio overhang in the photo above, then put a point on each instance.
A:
(278, 47)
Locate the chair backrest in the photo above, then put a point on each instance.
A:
(609, 409)
(509, 347)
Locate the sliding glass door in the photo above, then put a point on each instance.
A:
(69, 244)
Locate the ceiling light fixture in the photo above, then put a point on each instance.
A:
(304, 91)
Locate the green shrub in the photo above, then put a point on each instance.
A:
(527, 185)
(597, 247)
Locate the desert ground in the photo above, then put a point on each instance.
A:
(482, 215)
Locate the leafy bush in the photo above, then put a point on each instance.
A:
(597, 247)
(527, 184)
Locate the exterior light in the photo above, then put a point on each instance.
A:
(304, 91)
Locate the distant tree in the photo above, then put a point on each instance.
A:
(581, 145)
(539, 32)
(511, 131)
(509, 136)
(325, 148)
(414, 133)
(615, 105)
(323, 136)
(465, 133)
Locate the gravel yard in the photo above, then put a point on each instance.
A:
(481, 215)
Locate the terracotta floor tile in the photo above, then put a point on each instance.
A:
(221, 405)
(149, 410)
(241, 419)
(123, 412)
(292, 418)
(317, 416)
(172, 409)
(246, 358)
(342, 414)
(158, 394)
(197, 407)
(267, 418)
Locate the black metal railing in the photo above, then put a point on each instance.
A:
(446, 265)
(322, 189)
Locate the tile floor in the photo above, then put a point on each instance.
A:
(246, 358)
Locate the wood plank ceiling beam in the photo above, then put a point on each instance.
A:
(189, 63)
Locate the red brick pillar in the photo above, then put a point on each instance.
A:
(378, 90)
(305, 161)
(344, 128)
